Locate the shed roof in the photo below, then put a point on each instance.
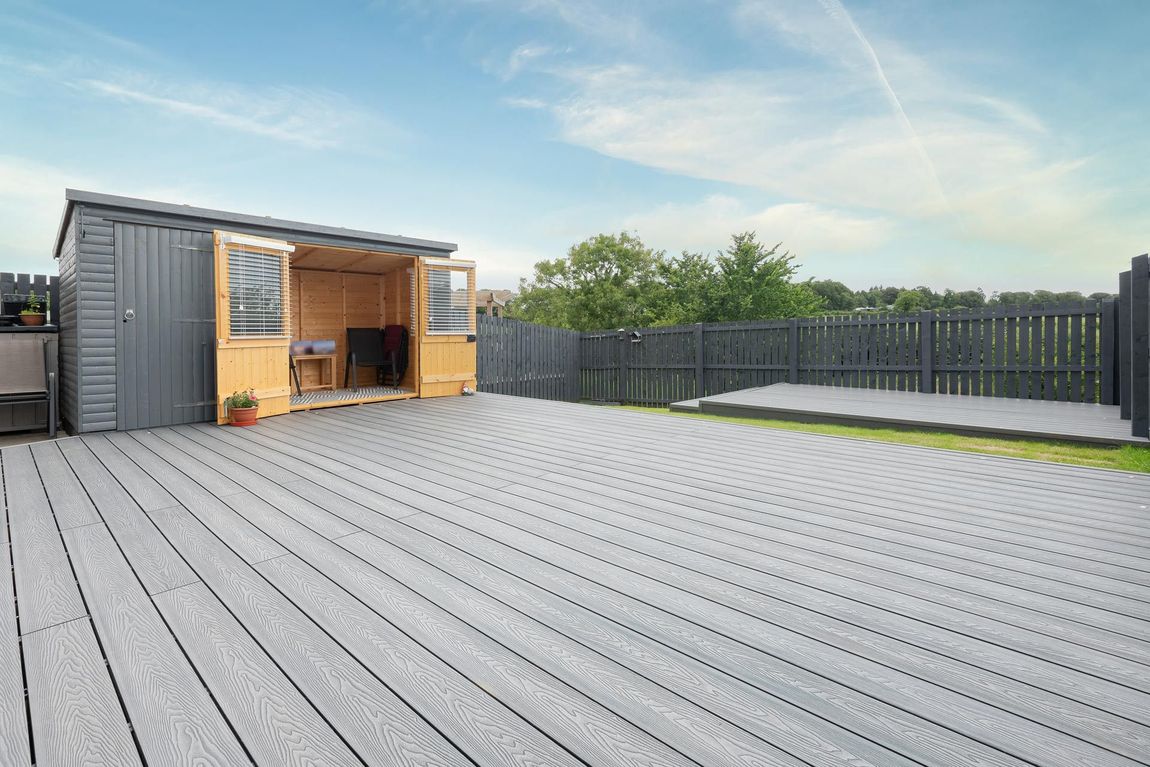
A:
(205, 218)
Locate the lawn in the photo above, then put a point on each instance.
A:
(1126, 458)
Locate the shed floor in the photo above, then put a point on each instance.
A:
(310, 400)
(499, 581)
(1070, 421)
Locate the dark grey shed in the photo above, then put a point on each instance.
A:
(137, 310)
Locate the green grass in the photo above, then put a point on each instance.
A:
(1126, 457)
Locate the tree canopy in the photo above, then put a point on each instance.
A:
(613, 280)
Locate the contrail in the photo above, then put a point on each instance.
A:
(836, 8)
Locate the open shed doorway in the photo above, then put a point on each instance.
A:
(333, 289)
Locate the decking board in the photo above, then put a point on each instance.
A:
(501, 581)
(172, 715)
(45, 588)
(14, 747)
(76, 715)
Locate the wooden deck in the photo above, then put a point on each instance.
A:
(499, 581)
(1039, 419)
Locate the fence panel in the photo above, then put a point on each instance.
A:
(12, 284)
(527, 360)
(1064, 352)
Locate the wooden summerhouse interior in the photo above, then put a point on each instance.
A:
(332, 290)
(328, 290)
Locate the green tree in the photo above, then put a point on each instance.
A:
(754, 282)
(688, 293)
(836, 296)
(909, 301)
(1015, 298)
(606, 281)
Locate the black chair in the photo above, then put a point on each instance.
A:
(395, 348)
(365, 349)
(26, 376)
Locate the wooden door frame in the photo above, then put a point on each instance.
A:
(266, 372)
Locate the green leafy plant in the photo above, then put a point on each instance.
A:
(242, 399)
(33, 304)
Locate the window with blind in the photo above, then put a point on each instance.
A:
(257, 293)
(449, 307)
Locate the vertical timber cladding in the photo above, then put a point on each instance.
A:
(447, 359)
(252, 321)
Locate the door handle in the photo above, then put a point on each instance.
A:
(129, 314)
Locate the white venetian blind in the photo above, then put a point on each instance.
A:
(450, 309)
(257, 293)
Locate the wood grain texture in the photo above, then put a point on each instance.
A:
(45, 587)
(14, 746)
(234, 464)
(250, 542)
(145, 490)
(70, 503)
(173, 717)
(153, 559)
(374, 722)
(76, 715)
(789, 727)
(583, 726)
(471, 717)
(276, 723)
(610, 587)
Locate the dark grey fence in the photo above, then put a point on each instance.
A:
(1065, 352)
(22, 284)
(527, 360)
(1134, 345)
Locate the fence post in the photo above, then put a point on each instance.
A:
(1124, 346)
(926, 351)
(1140, 346)
(1108, 351)
(624, 351)
(793, 350)
(700, 379)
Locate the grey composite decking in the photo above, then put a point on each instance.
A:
(1042, 419)
(391, 584)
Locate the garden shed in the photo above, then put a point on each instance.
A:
(167, 309)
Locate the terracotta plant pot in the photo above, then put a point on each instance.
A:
(243, 416)
(33, 319)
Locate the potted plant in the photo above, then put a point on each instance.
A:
(243, 408)
(33, 312)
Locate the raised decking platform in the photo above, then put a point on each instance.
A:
(497, 581)
(1038, 419)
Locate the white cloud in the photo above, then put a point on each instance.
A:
(802, 227)
(312, 119)
(519, 59)
(887, 132)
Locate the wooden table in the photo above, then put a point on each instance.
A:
(325, 361)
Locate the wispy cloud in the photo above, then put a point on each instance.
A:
(859, 123)
(316, 120)
(706, 226)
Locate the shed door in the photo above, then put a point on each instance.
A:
(164, 327)
(252, 319)
(447, 326)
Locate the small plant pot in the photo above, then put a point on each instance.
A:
(243, 416)
(33, 319)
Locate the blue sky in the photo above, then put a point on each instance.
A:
(970, 144)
